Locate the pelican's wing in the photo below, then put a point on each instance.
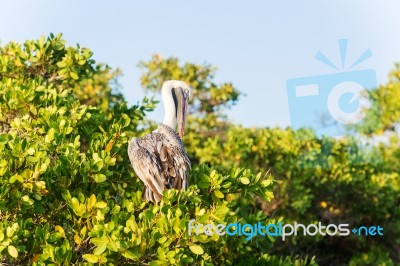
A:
(171, 156)
(174, 160)
(147, 168)
(175, 165)
(160, 161)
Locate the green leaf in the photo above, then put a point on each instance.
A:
(226, 184)
(266, 183)
(204, 184)
(90, 258)
(50, 135)
(116, 209)
(127, 120)
(132, 255)
(61, 64)
(269, 195)
(218, 194)
(30, 151)
(91, 202)
(101, 244)
(187, 259)
(98, 165)
(114, 246)
(11, 230)
(54, 237)
(156, 263)
(74, 75)
(221, 210)
(196, 249)
(66, 194)
(60, 230)
(100, 204)
(3, 163)
(162, 239)
(100, 249)
(244, 180)
(4, 138)
(12, 251)
(25, 198)
(75, 203)
(99, 178)
(195, 199)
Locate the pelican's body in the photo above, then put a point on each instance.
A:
(159, 158)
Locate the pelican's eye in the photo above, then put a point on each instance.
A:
(186, 93)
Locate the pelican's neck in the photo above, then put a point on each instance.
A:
(169, 107)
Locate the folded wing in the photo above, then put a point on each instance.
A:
(160, 163)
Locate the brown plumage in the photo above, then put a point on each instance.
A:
(159, 158)
(160, 161)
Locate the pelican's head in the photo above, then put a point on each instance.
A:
(176, 95)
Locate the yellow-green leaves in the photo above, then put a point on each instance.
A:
(95, 258)
(196, 249)
(99, 178)
(10, 230)
(50, 135)
(30, 151)
(101, 244)
(69, 195)
(266, 183)
(60, 230)
(100, 204)
(241, 181)
(61, 64)
(218, 194)
(91, 202)
(12, 251)
(244, 180)
(90, 207)
(131, 255)
(74, 75)
(63, 163)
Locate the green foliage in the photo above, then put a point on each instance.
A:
(328, 180)
(127, 228)
(374, 256)
(384, 114)
(68, 194)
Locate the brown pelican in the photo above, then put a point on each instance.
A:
(159, 158)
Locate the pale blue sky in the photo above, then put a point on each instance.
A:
(256, 45)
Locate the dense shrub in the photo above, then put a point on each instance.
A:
(327, 180)
(68, 194)
(317, 179)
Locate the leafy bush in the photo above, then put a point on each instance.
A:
(317, 179)
(68, 194)
(327, 180)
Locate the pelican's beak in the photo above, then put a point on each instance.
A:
(181, 111)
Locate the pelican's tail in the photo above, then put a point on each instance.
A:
(149, 195)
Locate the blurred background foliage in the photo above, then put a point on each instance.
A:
(69, 196)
